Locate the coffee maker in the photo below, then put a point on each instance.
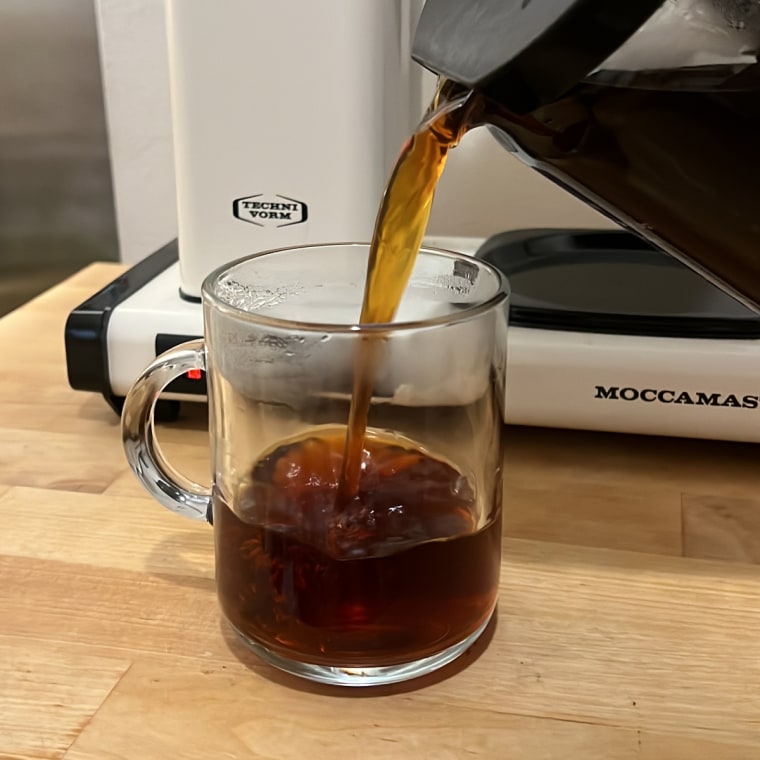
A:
(644, 109)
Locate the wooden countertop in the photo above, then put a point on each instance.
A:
(628, 624)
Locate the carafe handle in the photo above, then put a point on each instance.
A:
(160, 479)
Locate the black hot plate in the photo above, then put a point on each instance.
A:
(610, 281)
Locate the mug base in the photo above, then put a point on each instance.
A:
(363, 676)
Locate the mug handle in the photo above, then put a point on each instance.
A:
(160, 479)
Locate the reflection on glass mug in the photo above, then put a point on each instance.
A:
(401, 577)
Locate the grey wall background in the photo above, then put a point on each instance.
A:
(56, 202)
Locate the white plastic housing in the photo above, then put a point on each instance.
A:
(287, 117)
(634, 384)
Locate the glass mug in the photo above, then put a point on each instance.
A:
(400, 577)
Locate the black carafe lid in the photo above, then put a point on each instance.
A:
(524, 53)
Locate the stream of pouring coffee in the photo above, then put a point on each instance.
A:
(399, 229)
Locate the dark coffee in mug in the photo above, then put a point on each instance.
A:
(399, 573)
(345, 547)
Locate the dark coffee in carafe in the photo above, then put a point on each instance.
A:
(671, 154)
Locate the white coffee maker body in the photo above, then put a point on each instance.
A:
(287, 118)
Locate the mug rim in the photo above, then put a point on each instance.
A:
(501, 295)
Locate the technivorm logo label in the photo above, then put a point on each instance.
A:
(270, 210)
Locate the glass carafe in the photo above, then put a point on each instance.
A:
(659, 132)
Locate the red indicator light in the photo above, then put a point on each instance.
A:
(194, 374)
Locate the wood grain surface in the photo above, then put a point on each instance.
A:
(628, 624)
